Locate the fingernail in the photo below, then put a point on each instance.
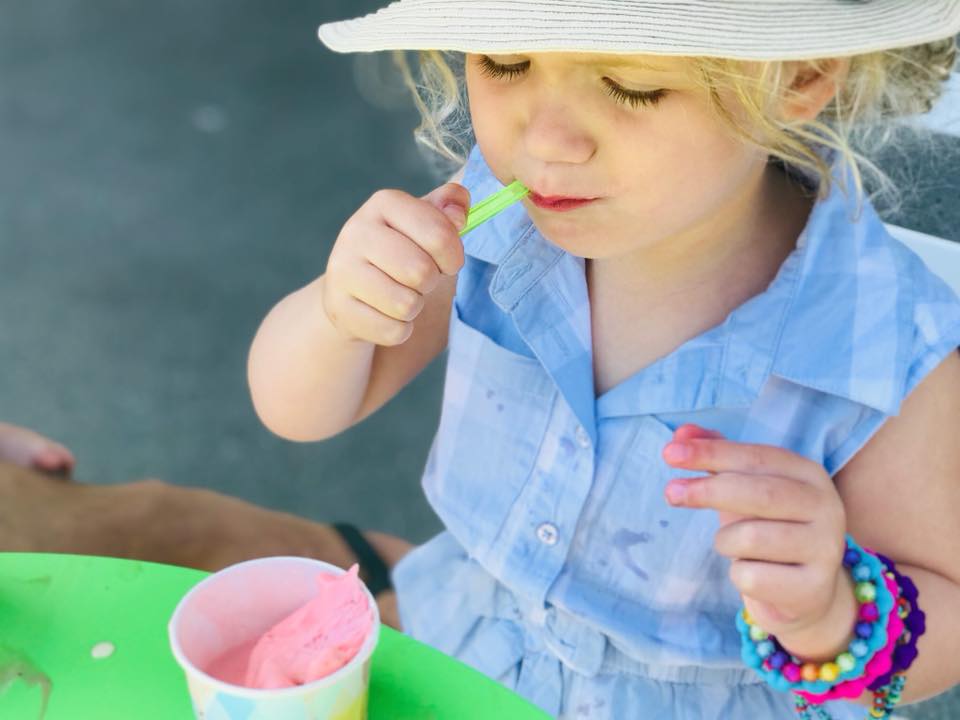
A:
(457, 215)
(677, 452)
(676, 493)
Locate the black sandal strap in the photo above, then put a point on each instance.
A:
(375, 573)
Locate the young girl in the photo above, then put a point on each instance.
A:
(678, 373)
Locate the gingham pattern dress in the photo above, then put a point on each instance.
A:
(563, 572)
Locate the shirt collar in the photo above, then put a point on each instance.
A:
(492, 241)
(792, 329)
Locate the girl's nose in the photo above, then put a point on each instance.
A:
(552, 136)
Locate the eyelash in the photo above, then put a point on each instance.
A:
(633, 98)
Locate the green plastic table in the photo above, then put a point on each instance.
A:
(56, 609)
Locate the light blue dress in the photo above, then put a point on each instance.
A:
(563, 572)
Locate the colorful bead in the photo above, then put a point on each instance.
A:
(864, 630)
(846, 662)
(810, 672)
(778, 660)
(829, 672)
(859, 648)
(765, 648)
(851, 557)
(866, 592)
(757, 633)
(861, 572)
(869, 612)
(791, 671)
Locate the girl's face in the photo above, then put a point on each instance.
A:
(634, 133)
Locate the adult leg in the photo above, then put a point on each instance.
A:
(155, 521)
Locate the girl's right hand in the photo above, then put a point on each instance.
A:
(390, 254)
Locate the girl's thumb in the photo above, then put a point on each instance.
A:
(452, 200)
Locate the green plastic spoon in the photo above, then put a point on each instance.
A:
(493, 205)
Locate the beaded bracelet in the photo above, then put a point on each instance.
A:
(763, 652)
(884, 701)
(878, 666)
(907, 624)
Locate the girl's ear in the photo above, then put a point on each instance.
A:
(811, 86)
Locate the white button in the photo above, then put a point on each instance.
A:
(583, 437)
(547, 533)
(538, 616)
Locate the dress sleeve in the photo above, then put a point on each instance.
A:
(933, 335)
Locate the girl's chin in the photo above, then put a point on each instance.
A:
(569, 233)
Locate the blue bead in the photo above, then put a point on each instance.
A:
(778, 660)
(862, 572)
(765, 649)
(851, 557)
(864, 629)
(859, 648)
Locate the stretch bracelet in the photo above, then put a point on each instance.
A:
(884, 702)
(914, 620)
(878, 666)
(784, 671)
(888, 687)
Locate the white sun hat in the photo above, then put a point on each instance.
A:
(741, 29)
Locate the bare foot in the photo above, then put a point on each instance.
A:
(29, 449)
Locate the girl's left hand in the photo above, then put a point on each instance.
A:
(782, 523)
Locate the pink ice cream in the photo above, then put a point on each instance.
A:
(314, 641)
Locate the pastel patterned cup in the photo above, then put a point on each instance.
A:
(233, 608)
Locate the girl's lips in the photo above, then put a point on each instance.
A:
(559, 204)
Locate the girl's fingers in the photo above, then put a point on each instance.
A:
(369, 324)
(375, 288)
(756, 496)
(772, 541)
(404, 261)
(690, 431)
(718, 456)
(425, 225)
(780, 594)
(453, 199)
(775, 583)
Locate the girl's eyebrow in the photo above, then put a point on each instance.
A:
(617, 60)
(626, 62)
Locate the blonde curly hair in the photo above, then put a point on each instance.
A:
(878, 87)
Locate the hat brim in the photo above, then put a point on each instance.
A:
(744, 29)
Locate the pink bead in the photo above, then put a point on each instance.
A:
(792, 672)
(766, 665)
(869, 612)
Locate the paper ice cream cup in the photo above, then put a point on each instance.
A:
(239, 604)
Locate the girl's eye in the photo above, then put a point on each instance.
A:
(633, 98)
(496, 70)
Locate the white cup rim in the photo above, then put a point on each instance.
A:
(363, 654)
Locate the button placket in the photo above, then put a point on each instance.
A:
(582, 436)
(548, 534)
